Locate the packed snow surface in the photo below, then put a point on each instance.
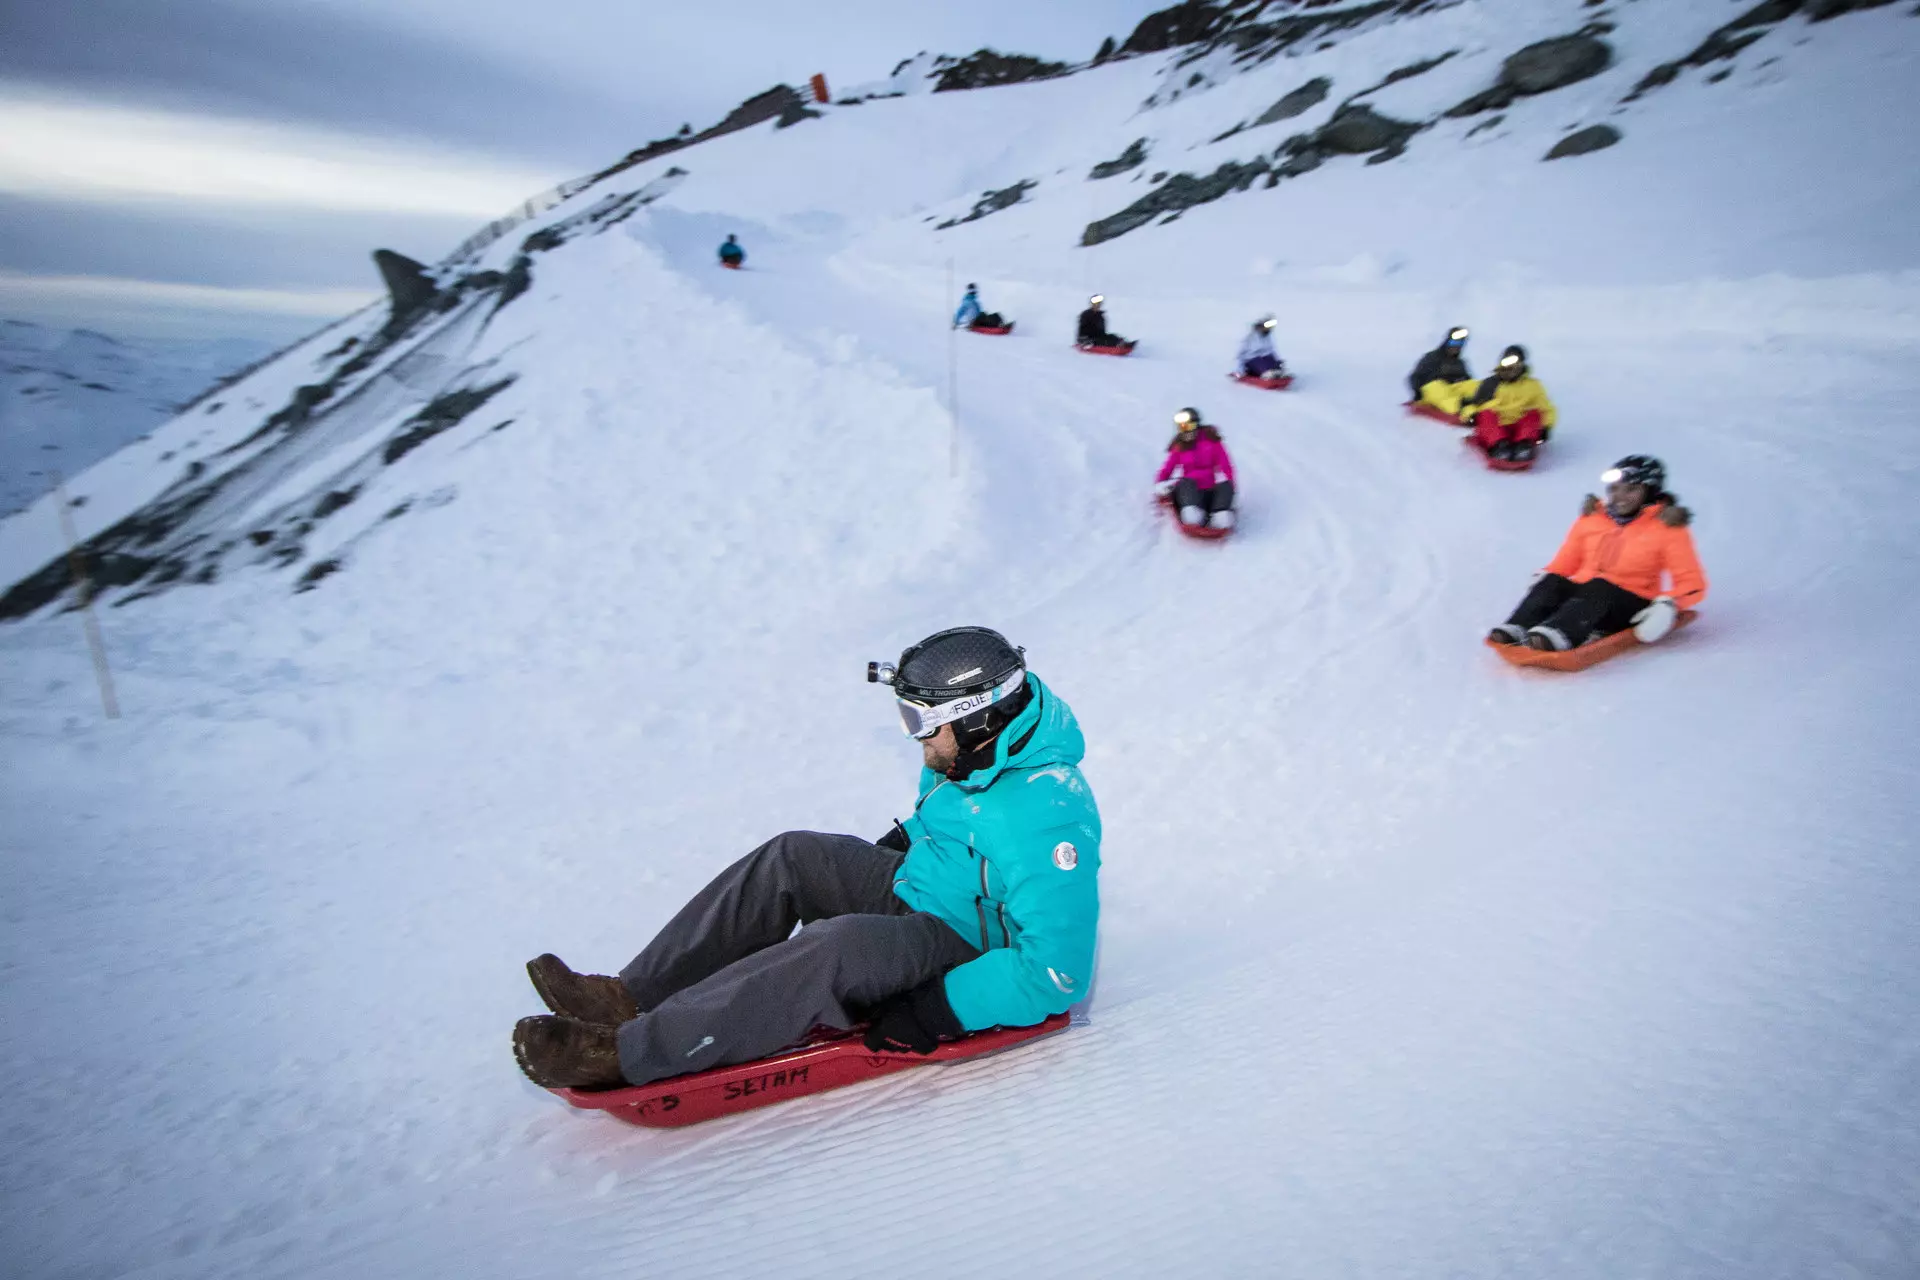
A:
(1412, 964)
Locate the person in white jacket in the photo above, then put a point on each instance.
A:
(1257, 358)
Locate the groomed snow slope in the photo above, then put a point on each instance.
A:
(1412, 964)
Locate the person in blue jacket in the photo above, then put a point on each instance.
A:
(980, 910)
(972, 315)
(731, 253)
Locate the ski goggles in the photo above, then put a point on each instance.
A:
(923, 720)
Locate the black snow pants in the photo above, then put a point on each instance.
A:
(724, 982)
(1188, 494)
(1579, 611)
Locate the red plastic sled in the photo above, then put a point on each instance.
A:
(1586, 655)
(1504, 464)
(1280, 383)
(1205, 533)
(991, 328)
(1125, 348)
(1421, 409)
(731, 266)
(829, 1061)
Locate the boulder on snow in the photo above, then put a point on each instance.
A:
(1355, 131)
(1311, 94)
(1542, 67)
(1556, 63)
(1593, 138)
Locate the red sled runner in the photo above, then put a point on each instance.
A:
(1421, 409)
(992, 328)
(1280, 383)
(1205, 533)
(1125, 348)
(831, 1060)
(1593, 651)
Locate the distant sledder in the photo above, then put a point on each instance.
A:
(732, 255)
(1092, 335)
(1196, 479)
(1259, 364)
(973, 317)
(1627, 574)
(1441, 380)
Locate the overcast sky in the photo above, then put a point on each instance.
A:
(215, 167)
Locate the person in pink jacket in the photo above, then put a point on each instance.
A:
(1197, 476)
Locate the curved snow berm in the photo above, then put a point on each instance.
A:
(1413, 964)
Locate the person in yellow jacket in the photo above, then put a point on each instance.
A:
(1510, 413)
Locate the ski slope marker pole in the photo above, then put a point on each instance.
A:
(953, 386)
(84, 586)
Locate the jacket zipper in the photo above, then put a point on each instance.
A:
(980, 903)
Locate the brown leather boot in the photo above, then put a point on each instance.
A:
(590, 997)
(565, 1053)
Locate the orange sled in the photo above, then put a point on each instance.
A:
(992, 328)
(1280, 383)
(1124, 349)
(1586, 655)
(829, 1061)
(730, 264)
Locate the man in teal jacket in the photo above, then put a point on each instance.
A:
(980, 910)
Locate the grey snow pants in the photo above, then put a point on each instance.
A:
(724, 982)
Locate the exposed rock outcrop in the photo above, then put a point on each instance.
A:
(1132, 158)
(987, 68)
(1307, 96)
(1180, 192)
(1542, 67)
(1593, 138)
(993, 202)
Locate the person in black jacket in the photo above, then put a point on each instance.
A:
(1093, 326)
(1445, 363)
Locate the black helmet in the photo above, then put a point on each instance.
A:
(1513, 360)
(1637, 468)
(1456, 336)
(965, 674)
(1187, 419)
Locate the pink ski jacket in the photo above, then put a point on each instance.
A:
(1205, 461)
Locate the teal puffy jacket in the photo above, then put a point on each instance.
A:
(1009, 856)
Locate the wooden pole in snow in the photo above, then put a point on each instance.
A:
(953, 384)
(84, 586)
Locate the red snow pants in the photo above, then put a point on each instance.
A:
(1488, 430)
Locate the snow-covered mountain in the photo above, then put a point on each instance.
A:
(70, 397)
(494, 621)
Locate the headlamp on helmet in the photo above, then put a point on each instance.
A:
(1457, 335)
(1187, 419)
(952, 675)
(1509, 362)
(1097, 299)
(1268, 324)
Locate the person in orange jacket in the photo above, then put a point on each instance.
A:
(1627, 562)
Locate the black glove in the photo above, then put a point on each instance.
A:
(914, 1021)
(896, 839)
